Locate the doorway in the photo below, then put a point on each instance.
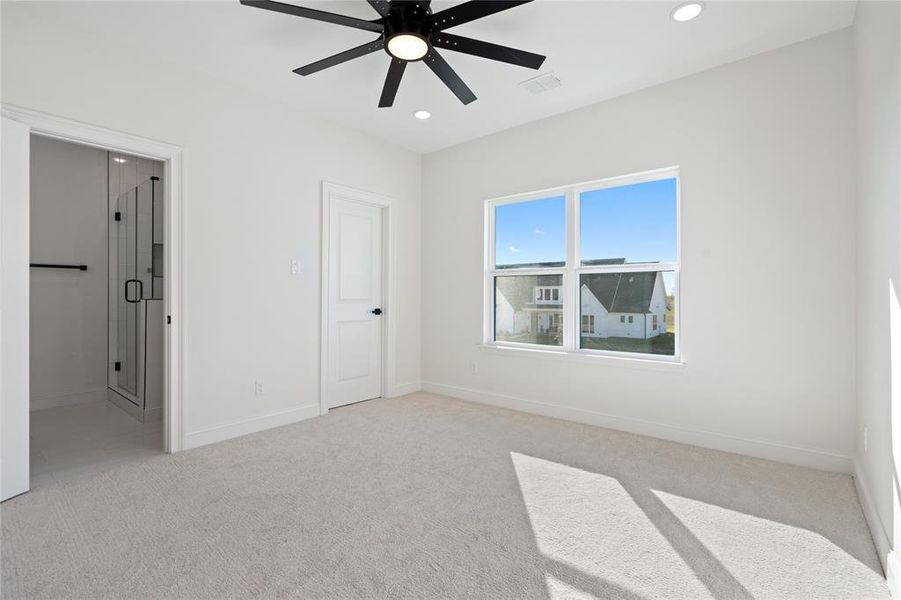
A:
(355, 251)
(19, 127)
(97, 323)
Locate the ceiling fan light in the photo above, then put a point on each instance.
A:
(406, 46)
(422, 115)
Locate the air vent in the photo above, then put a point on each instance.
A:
(542, 83)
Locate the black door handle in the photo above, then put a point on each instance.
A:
(140, 290)
(376, 311)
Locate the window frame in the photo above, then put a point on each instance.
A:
(590, 322)
(570, 294)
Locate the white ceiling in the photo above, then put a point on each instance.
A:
(598, 50)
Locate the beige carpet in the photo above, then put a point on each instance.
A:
(428, 497)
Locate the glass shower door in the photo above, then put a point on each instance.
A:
(134, 281)
(127, 319)
(144, 204)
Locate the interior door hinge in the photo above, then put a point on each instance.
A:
(118, 366)
(118, 216)
(168, 319)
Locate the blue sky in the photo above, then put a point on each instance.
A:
(636, 222)
(531, 232)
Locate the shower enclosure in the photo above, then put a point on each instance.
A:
(136, 343)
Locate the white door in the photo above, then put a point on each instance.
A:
(354, 371)
(14, 255)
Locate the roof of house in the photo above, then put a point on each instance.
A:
(622, 292)
(533, 265)
(618, 292)
(603, 261)
(519, 290)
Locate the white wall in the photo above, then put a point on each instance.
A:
(877, 44)
(68, 308)
(766, 148)
(252, 173)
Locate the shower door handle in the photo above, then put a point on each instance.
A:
(140, 290)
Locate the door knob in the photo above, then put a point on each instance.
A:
(376, 311)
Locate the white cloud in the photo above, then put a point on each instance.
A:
(514, 249)
(540, 232)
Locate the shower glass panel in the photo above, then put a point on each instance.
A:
(136, 278)
(128, 310)
(157, 256)
(144, 239)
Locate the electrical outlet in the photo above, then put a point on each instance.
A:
(294, 267)
(475, 367)
(258, 388)
(866, 441)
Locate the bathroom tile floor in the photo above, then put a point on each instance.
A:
(67, 440)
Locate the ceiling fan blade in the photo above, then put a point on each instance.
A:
(472, 10)
(450, 78)
(341, 57)
(392, 82)
(505, 54)
(380, 6)
(319, 15)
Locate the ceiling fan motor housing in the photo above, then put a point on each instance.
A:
(409, 18)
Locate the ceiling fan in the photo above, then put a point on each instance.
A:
(409, 32)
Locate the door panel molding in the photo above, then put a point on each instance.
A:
(331, 193)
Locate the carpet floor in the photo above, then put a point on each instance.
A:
(428, 497)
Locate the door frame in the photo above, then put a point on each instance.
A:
(170, 155)
(330, 193)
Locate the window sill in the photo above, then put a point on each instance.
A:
(643, 361)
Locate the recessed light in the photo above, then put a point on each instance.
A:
(120, 160)
(422, 115)
(687, 11)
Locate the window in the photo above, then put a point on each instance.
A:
(520, 314)
(547, 295)
(530, 235)
(587, 323)
(591, 268)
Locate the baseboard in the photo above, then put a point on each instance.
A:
(805, 457)
(887, 556)
(235, 429)
(124, 404)
(402, 389)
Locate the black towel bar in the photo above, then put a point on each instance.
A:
(51, 266)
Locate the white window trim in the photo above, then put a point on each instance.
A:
(569, 295)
